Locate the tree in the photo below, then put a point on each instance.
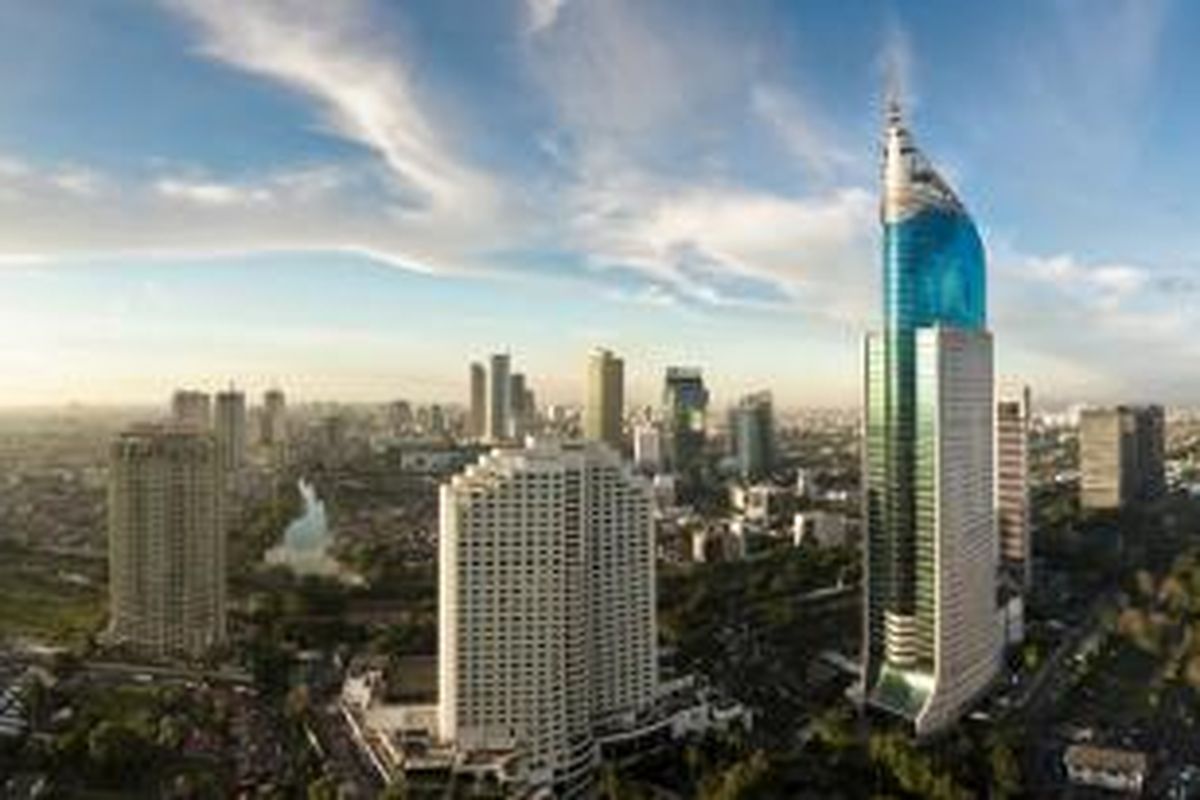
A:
(1006, 772)
(323, 788)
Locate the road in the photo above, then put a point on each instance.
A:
(341, 754)
(132, 671)
(1051, 674)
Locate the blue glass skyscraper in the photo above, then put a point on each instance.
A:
(930, 639)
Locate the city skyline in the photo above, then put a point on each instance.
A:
(491, 163)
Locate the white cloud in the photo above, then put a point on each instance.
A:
(1105, 285)
(210, 193)
(543, 14)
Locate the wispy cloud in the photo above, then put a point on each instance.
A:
(806, 136)
(330, 52)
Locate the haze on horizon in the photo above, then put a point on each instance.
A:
(353, 200)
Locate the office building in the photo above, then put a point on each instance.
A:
(685, 408)
(931, 644)
(602, 415)
(499, 404)
(477, 414)
(166, 543)
(231, 429)
(1012, 484)
(191, 407)
(1121, 456)
(273, 432)
(546, 630)
(752, 434)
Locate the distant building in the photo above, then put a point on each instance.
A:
(752, 432)
(231, 429)
(477, 415)
(546, 630)
(714, 544)
(166, 541)
(400, 417)
(518, 415)
(1121, 456)
(1012, 483)
(685, 408)
(758, 502)
(648, 447)
(664, 492)
(822, 528)
(273, 432)
(602, 415)
(437, 421)
(191, 407)
(499, 405)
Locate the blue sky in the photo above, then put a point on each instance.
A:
(352, 199)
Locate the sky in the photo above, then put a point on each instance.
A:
(354, 199)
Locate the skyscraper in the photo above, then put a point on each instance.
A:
(499, 403)
(546, 617)
(931, 640)
(1012, 483)
(274, 419)
(752, 430)
(685, 405)
(166, 544)
(516, 407)
(191, 407)
(231, 429)
(477, 417)
(605, 398)
(1120, 456)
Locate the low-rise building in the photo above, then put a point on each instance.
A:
(822, 528)
(1106, 768)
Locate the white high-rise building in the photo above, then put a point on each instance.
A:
(1012, 482)
(546, 607)
(954, 402)
(499, 405)
(231, 429)
(648, 447)
(166, 543)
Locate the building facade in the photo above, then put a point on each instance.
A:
(931, 643)
(547, 627)
(1013, 508)
(1121, 456)
(603, 413)
(166, 541)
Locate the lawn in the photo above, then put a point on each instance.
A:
(36, 602)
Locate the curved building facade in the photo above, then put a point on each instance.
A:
(931, 642)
